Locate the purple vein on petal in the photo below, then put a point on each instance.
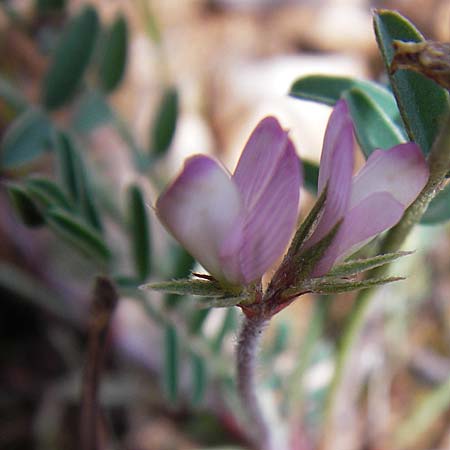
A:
(269, 224)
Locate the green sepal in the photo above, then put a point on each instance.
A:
(330, 285)
(354, 266)
(192, 286)
(307, 225)
(307, 260)
(223, 302)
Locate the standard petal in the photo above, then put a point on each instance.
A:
(402, 171)
(270, 222)
(339, 123)
(336, 168)
(373, 215)
(201, 208)
(266, 145)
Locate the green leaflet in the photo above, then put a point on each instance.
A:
(355, 266)
(26, 138)
(70, 59)
(422, 103)
(78, 234)
(113, 58)
(165, 123)
(140, 233)
(91, 111)
(328, 89)
(24, 206)
(76, 180)
(373, 127)
(47, 192)
(199, 378)
(438, 210)
(171, 362)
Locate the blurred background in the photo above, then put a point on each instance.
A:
(100, 102)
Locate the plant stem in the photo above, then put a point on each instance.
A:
(247, 348)
(439, 164)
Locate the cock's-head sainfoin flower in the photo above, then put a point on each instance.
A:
(371, 201)
(237, 226)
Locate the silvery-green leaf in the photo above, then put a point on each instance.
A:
(335, 286)
(205, 288)
(355, 266)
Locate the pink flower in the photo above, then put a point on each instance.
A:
(237, 226)
(370, 202)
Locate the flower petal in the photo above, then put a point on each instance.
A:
(336, 168)
(201, 208)
(402, 171)
(270, 222)
(258, 161)
(374, 214)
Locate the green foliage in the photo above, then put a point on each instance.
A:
(439, 209)
(140, 233)
(47, 193)
(310, 176)
(76, 180)
(92, 111)
(78, 234)
(165, 123)
(199, 378)
(113, 58)
(70, 59)
(171, 362)
(373, 127)
(26, 139)
(25, 206)
(328, 89)
(422, 103)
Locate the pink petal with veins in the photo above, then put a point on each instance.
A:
(373, 215)
(271, 216)
(201, 208)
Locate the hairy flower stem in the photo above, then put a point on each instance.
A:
(247, 348)
(439, 164)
